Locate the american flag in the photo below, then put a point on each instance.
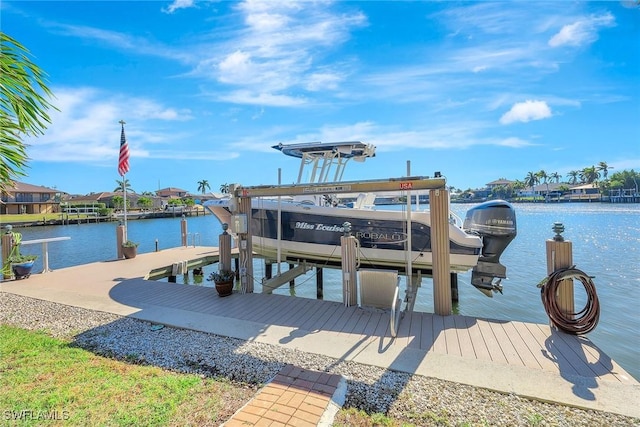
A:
(123, 161)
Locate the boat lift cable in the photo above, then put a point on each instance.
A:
(578, 323)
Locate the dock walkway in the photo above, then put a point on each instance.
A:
(530, 360)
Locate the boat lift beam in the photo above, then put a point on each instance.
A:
(268, 286)
(406, 183)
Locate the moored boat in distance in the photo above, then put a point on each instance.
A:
(311, 226)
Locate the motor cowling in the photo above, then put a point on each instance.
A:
(495, 222)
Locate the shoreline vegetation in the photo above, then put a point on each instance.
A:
(42, 219)
(30, 220)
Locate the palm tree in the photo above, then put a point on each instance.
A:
(124, 184)
(604, 168)
(573, 177)
(518, 186)
(545, 180)
(23, 107)
(589, 175)
(530, 181)
(555, 176)
(224, 188)
(203, 186)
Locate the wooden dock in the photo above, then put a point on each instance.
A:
(531, 360)
(509, 343)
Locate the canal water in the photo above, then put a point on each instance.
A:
(606, 245)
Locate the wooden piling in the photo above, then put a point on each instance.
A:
(560, 255)
(245, 251)
(120, 239)
(183, 231)
(319, 283)
(224, 248)
(454, 287)
(292, 283)
(268, 269)
(439, 209)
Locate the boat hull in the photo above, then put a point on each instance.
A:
(313, 233)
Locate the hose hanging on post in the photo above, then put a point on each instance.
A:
(578, 323)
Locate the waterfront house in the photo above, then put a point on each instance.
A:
(502, 182)
(584, 193)
(171, 193)
(23, 198)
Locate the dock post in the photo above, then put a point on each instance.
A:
(7, 245)
(292, 283)
(224, 249)
(245, 251)
(183, 230)
(268, 269)
(560, 255)
(120, 239)
(349, 278)
(454, 287)
(439, 209)
(319, 283)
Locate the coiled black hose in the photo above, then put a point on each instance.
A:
(578, 323)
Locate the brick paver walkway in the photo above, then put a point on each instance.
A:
(295, 397)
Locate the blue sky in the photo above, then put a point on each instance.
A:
(476, 90)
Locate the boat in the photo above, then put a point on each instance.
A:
(311, 226)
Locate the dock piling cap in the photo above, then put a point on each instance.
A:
(558, 228)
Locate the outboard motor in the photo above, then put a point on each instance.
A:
(495, 222)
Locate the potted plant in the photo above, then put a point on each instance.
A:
(18, 264)
(129, 249)
(224, 281)
(21, 265)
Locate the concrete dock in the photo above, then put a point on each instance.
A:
(530, 360)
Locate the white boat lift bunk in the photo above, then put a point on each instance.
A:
(439, 207)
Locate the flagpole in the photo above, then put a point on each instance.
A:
(123, 168)
(124, 190)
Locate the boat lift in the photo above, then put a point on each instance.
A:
(439, 207)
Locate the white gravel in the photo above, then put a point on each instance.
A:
(420, 400)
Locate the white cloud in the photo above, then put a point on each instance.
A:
(263, 99)
(323, 80)
(179, 4)
(583, 31)
(526, 111)
(280, 46)
(86, 129)
(514, 142)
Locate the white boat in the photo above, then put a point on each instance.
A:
(311, 227)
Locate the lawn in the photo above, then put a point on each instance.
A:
(48, 379)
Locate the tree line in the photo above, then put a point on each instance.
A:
(598, 175)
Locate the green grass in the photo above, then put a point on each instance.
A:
(9, 218)
(46, 377)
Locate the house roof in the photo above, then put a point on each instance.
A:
(89, 197)
(585, 186)
(550, 186)
(172, 189)
(23, 187)
(500, 181)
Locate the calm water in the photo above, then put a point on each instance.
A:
(606, 244)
